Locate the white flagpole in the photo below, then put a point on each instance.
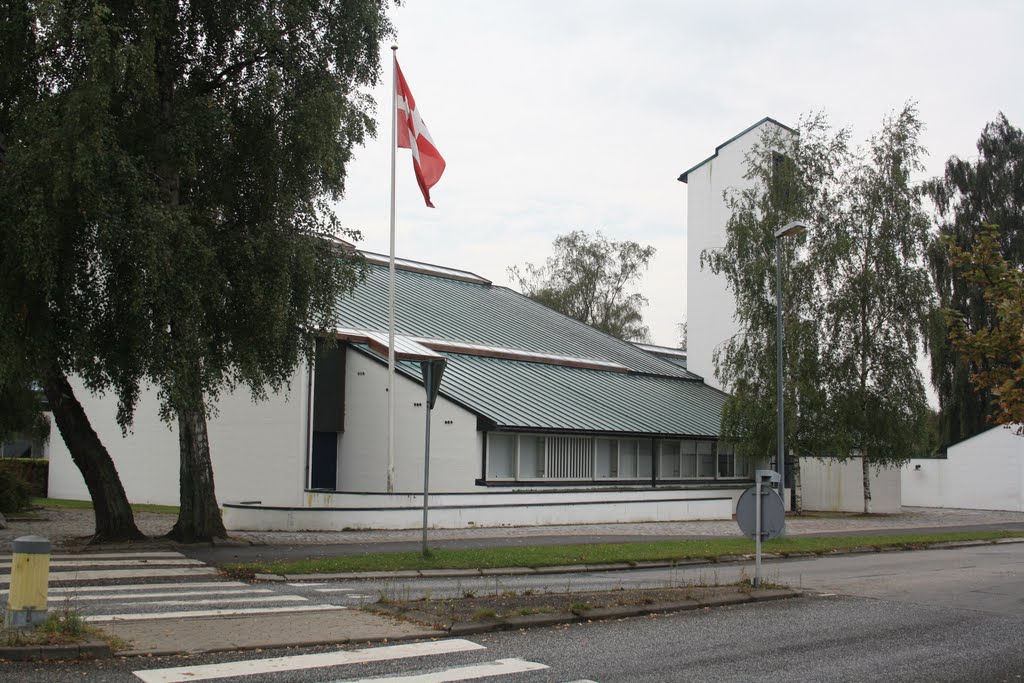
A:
(391, 277)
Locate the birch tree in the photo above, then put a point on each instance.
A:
(873, 294)
(590, 278)
(788, 177)
(168, 173)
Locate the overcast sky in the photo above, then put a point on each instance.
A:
(556, 115)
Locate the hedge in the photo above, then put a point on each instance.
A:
(34, 472)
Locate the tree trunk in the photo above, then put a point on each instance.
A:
(199, 517)
(114, 518)
(798, 496)
(866, 471)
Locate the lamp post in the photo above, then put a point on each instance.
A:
(788, 230)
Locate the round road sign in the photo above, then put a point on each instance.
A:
(773, 514)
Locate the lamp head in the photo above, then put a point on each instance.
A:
(790, 229)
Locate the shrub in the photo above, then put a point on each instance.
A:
(14, 495)
(33, 471)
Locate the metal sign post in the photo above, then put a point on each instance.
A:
(432, 370)
(760, 514)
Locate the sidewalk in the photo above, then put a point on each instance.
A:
(165, 636)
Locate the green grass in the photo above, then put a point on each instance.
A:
(549, 556)
(87, 505)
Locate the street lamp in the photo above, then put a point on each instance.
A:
(788, 230)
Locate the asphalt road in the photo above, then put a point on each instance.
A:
(941, 615)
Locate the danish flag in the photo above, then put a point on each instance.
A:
(413, 134)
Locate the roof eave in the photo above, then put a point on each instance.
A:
(684, 176)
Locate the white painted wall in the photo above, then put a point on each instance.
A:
(455, 444)
(838, 486)
(339, 511)
(258, 449)
(709, 304)
(985, 472)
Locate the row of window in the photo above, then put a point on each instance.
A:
(522, 457)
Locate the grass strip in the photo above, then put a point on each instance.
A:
(87, 505)
(602, 553)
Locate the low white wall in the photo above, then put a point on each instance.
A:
(838, 486)
(258, 449)
(339, 511)
(985, 472)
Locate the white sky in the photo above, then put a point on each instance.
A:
(557, 115)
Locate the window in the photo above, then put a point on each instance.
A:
(731, 465)
(706, 459)
(533, 457)
(669, 465)
(501, 461)
(644, 460)
(606, 459)
(689, 453)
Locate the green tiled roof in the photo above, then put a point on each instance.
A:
(445, 308)
(656, 397)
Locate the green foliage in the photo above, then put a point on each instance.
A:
(873, 295)
(21, 413)
(855, 294)
(64, 622)
(14, 493)
(788, 177)
(988, 190)
(33, 471)
(167, 179)
(589, 278)
(995, 352)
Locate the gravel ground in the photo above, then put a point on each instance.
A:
(69, 528)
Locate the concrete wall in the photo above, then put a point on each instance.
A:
(985, 472)
(455, 445)
(838, 486)
(258, 449)
(709, 305)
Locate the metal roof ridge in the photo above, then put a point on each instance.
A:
(660, 350)
(470, 349)
(425, 268)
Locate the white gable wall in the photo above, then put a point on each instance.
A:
(985, 472)
(455, 444)
(709, 304)
(258, 449)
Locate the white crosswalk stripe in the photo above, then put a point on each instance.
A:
(207, 672)
(138, 589)
(417, 653)
(501, 667)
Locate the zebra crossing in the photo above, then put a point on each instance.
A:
(333, 660)
(111, 587)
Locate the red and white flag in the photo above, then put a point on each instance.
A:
(413, 134)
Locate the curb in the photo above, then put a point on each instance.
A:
(95, 649)
(618, 566)
(511, 623)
